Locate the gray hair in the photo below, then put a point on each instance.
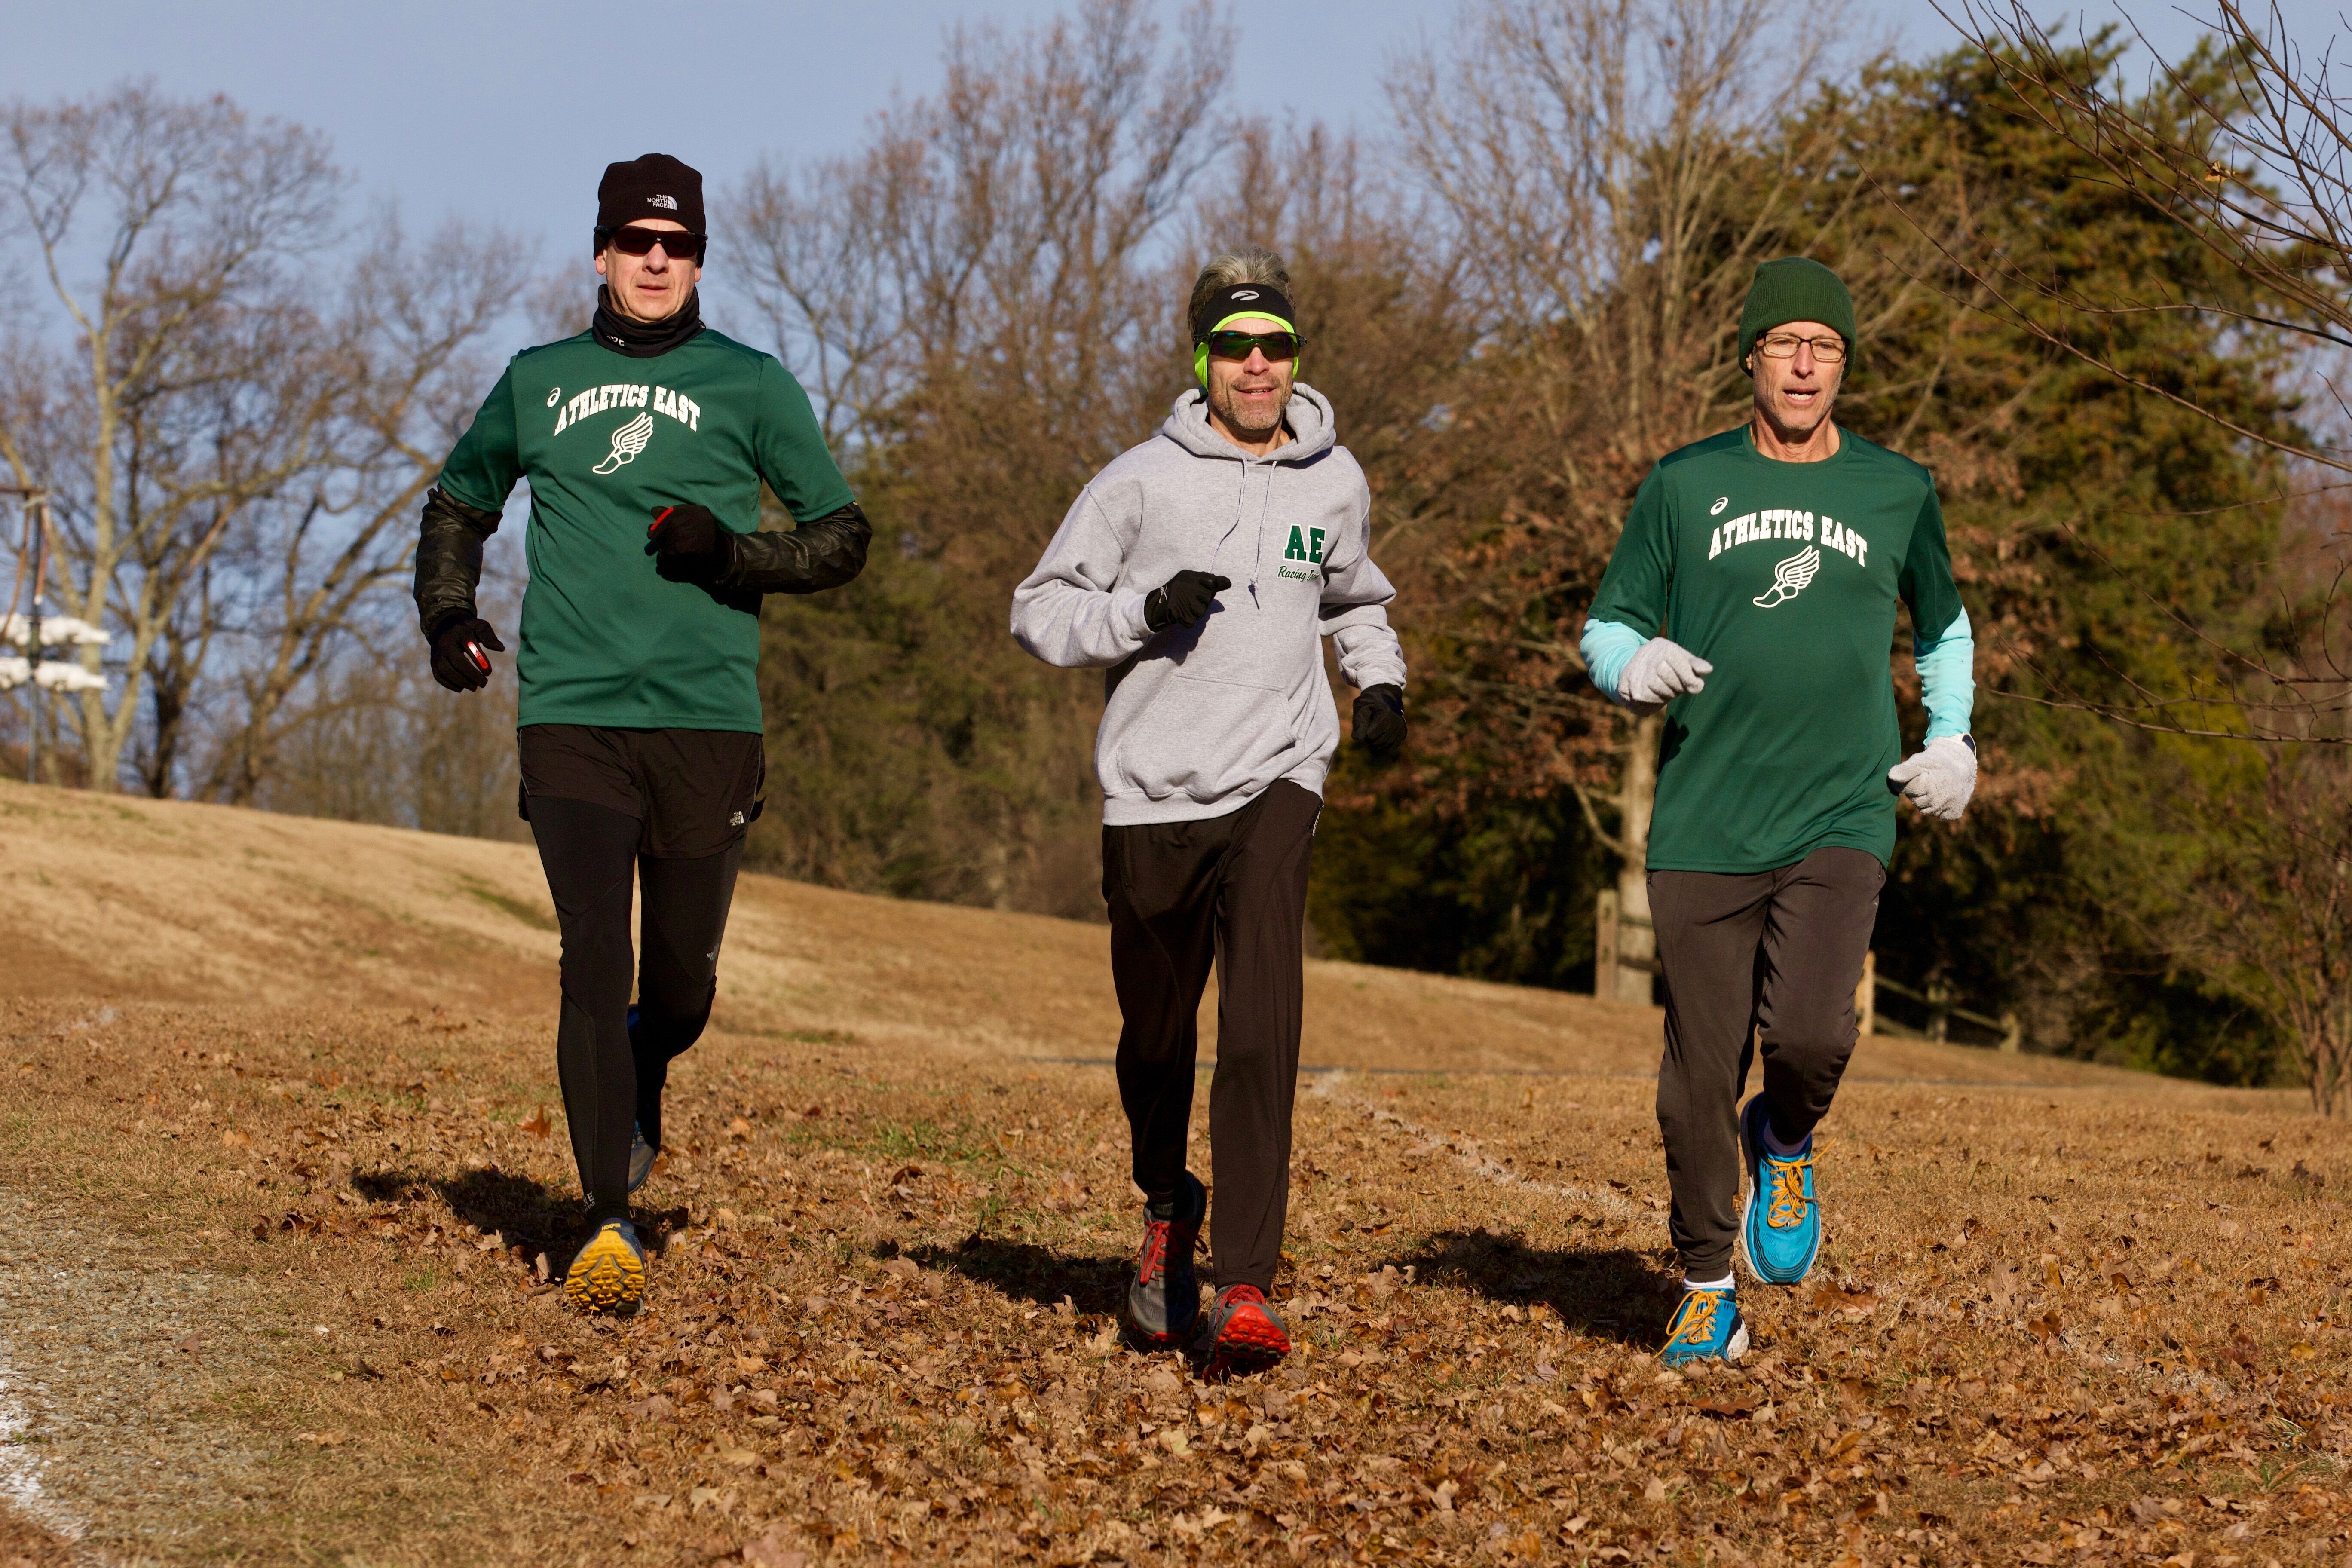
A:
(1254, 264)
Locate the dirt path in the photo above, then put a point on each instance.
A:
(114, 1384)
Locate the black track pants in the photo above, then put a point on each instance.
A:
(613, 1074)
(1766, 962)
(1231, 889)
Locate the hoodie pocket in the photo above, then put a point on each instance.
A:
(1245, 647)
(1205, 738)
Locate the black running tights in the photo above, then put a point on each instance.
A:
(613, 1060)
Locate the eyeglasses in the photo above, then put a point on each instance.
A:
(631, 241)
(1783, 345)
(1274, 345)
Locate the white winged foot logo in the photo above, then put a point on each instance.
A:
(627, 442)
(1789, 577)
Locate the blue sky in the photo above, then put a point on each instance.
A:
(512, 110)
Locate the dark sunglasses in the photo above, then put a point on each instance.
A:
(631, 241)
(1238, 345)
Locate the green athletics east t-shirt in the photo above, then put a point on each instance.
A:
(1784, 576)
(605, 440)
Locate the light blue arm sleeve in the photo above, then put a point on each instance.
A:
(1948, 681)
(1607, 648)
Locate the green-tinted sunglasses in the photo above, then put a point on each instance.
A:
(1276, 346)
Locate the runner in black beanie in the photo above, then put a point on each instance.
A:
(647, 440)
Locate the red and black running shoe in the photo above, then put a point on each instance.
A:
(1239, 1335)
(1163, 1299)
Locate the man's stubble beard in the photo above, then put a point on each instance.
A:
(1224, 404)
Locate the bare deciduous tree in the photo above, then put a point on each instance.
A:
(172, 235)
(975, 303)
(408, 338)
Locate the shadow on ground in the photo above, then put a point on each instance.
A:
(1033, 1273)
(518, 1210)
(1614, 1293)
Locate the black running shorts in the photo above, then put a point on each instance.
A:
(696, 791)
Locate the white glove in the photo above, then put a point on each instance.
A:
(1938, 778)
(1658, 671)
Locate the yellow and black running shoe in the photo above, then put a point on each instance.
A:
(608, 1275)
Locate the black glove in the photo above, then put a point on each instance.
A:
(688, 544)
(1379, 721)
(1183, 599)
(457, 663)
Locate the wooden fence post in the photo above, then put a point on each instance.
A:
(1866, 996)
(2013, 1032)
(1604, 945)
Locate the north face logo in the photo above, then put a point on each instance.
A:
(668, 204)
(1307, 546)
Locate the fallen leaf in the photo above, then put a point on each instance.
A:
(770, 1551)
(233, 1139)
(537, 1123)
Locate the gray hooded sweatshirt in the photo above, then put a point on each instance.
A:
(1199, 720)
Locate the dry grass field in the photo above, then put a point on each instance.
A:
(282, 1153)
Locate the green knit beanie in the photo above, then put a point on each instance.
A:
(1794, 289)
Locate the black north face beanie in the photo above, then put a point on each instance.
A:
(656, 185)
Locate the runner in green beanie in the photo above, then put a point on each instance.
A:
(1751, 601)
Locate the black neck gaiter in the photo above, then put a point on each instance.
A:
(646, 340)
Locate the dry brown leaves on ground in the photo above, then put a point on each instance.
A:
(2051, 1326)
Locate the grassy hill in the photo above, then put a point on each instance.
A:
(281, 1154)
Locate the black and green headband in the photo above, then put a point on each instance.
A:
(1236, 302)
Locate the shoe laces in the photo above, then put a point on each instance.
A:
(1154, 1261)
(1694, 1325)
(1786, 1210)
(1244, 1295)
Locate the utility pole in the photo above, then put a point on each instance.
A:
(36, 525)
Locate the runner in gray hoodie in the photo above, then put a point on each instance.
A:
(1202, 569)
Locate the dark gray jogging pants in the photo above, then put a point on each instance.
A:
(1768, 962)
(1232, 891)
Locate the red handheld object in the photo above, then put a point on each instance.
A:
(659, 518)
(481, 660)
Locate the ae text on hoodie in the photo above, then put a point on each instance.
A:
(1199, 720)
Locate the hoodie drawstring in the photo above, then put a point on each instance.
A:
(1265, 508)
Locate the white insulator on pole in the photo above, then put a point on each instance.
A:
(13, 672)
(55, 675)
(59, 631)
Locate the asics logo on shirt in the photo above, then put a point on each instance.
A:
(1721, 503)
(1789, 577)
(627, 442)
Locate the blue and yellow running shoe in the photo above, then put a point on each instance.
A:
(608, 1275)
(1781, 1222)
(1707, 1327)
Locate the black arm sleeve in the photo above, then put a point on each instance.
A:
(448, 558)
(820, 554)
